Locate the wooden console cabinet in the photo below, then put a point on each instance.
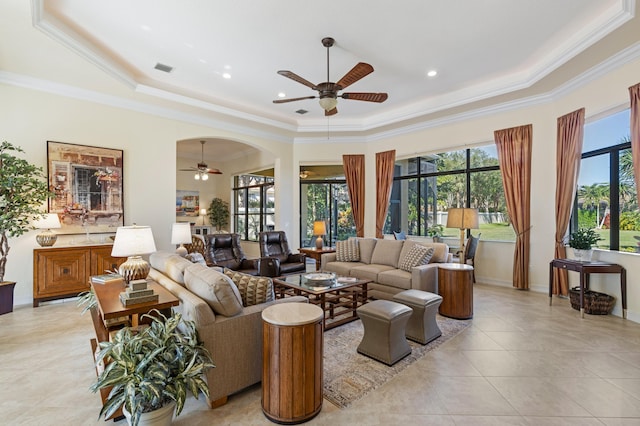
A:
(64, 271)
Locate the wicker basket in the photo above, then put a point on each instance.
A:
(595, 303)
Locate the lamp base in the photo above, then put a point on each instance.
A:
(461, 254)
(135, 268)
(319, 243)
(46, 238)
(181, 251)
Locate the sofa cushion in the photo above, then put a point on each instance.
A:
(341, 268)
(416, 256)
(387, 252)
(170, 264)
(395, 278)
(253, 290)
(215, 288)
(369, 272)
(347, 251)
(366, 246)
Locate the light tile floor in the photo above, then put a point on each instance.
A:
(520, 363)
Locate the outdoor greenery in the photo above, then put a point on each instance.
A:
(23, 190)
(157, 365)
(435, 231)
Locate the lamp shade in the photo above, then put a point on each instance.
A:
(133, 241)
(181, 233)
(319, 228)
(462, 218)
(48, 221)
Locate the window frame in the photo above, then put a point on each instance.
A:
(263, 187)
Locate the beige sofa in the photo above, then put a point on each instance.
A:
(379, 259)
(234, 341)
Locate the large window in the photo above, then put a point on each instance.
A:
(606, 198)
(254, 205)
(424, 188)
(324, 196)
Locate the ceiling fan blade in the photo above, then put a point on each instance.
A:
(333, 111)
(369, 97)
(295, 77)
(359, 71)
(214, 171)
(282, 101)
(192, 169)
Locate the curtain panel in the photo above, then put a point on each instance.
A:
(354, 173)
(385, 162)
(514, 155)
(634, 94)
(568, 154)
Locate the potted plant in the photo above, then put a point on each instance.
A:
(436, 231)
(152, 370)
(23, 190)
(581, 242)
(219, 213)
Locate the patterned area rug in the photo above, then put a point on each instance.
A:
(348, 375)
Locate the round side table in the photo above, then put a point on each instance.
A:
(292, 362)
(455, 285)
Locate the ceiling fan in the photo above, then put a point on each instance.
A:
(202, 170)
(328, 91)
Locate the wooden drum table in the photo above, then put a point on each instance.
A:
(292, 362)
(455, 285)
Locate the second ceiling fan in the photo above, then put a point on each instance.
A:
(328, 91)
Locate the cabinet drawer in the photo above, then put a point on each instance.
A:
(62, 272)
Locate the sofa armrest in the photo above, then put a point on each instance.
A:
(425, 278)
(326, 258)
(250, 264)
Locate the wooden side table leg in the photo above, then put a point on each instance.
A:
(623, 290)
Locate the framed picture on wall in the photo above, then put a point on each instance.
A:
(187, 203)
(86, 183)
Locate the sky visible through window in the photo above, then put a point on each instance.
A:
(602, 133)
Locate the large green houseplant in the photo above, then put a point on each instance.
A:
(23, 190)
(219, 213)
(152, 368)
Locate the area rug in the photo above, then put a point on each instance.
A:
(348, 375)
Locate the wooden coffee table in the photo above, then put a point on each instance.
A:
(338, 302)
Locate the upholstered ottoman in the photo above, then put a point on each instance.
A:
(422, 326)
(384, 324)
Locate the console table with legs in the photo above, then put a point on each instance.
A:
(585, 269)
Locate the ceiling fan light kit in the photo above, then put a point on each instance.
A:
(328, 91)
(202, 170)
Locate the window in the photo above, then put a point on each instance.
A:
(254, 205)
(324, 196)
(424, 188)
(606, 199)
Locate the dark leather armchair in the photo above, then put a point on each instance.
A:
(224, 250)
(274, 245)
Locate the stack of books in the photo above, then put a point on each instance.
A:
(106, 278)
(137, 292)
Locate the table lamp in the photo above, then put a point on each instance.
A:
(181, 234)
(319, 229)
(462, 218)
(47, 238)
(132, 242)
(203, 213)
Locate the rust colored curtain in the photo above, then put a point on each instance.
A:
(514, 155)
(384, 181)
(634, 93)
(354, 173)
(568, 154)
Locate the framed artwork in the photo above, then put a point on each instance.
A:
(187, 203)
(86, 183)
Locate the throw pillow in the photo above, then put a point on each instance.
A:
(215, 288)
(417, 256)
(196, 258)
(253, 290)
(347, 251)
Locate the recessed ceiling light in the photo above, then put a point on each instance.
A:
(282, 95)
(432, 73)
(226, 75)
